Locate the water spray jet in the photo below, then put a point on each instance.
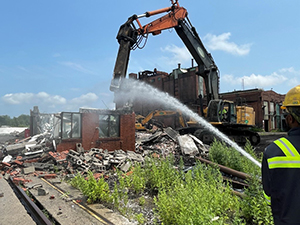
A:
(132, 90)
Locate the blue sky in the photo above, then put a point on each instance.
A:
(60, 55)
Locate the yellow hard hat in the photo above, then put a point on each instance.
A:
(292, 98)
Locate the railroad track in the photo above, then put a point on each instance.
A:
(35, 212)
(42, 208)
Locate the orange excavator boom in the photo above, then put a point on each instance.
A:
(167, 21)
(129, 36)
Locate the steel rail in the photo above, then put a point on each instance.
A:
(33, 210)
(97, 216)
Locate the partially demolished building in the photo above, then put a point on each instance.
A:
(88, 128)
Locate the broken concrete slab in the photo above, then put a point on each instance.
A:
(42, 191)
(6, 176)
(15, 149)
(28, 170)
(187, 145)
(201, 147)
(125, 167)
(34, 152)
(152, 138)
(98, 167)
(7, 159)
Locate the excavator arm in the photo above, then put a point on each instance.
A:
(206, 65)
(131, 33)
(127, 37)
(130, 37)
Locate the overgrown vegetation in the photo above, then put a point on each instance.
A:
(20, 121)
(198, 196)
(228, 156)
(254, 207)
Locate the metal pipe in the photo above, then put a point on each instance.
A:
(226, 169)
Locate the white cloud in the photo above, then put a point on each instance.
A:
(255, 80)
(213, 42)
(227, 78)
(293, 76)
(293, 81)
(18, 98)
(77, 67)
(48, 102)
(178, 55)
(289, 71)
(221, 42)
(84, 99)
(280, 81)
(41, 97)
(262, 81)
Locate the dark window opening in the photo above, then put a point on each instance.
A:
(109, 126)
(71, 125)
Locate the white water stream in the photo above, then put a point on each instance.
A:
(136, 90)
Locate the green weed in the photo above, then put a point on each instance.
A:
(197, 197)
(140, 218)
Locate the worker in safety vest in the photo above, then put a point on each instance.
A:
(281, 166)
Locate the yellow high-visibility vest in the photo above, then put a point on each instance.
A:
(291, 158)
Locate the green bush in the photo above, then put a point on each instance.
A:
(161, 173)
(197, 197)
(201, 198)
(254, 207)
(228, 156)
(137, 179)
(94, 190)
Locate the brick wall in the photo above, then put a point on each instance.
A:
(90, 134)
(67, 145)
(255, 98)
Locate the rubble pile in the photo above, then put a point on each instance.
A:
(96, 160)
(37, 155)
(33, 157)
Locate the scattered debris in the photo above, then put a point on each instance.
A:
(42, 191)
(37, 157)
(187, 145)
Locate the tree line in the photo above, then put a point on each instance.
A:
(20, 121)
